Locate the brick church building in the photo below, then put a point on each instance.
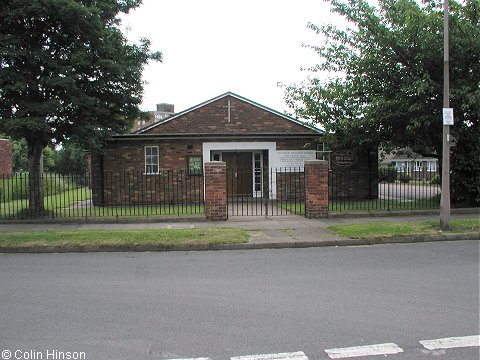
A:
(246, 135)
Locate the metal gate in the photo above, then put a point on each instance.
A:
(266, 192)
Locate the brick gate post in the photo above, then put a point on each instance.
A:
(216, 191)
(316, 189)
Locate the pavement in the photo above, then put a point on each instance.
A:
(272, 232)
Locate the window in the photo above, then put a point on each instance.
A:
(418, 166)
(400, 165)
(195, 165)
(323, 153)
(432, 165)
(151, 160)
(215, 156)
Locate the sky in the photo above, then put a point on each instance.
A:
(213, 46)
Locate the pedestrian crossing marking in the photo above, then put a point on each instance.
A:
(367, 350)
(299, 355)
(452, 342)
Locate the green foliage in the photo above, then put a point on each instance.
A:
(435, 180)
(67, 72)
(71, 159)
(19, 155)
(385, 84)
(16, 187)
(387, 174)
(49, 159)
(388, 229)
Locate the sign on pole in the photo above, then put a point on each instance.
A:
(447, 116)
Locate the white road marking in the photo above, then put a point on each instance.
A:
(299, 355)
(452, 342)
(367, 350)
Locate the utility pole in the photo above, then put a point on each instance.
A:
(445, 194)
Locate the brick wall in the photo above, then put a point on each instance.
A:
(244, 118)
(216, 191)
(130, 155)
(95, 163)
(5, 157)
(316, 189)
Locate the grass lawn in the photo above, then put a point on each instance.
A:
(386, 229)
(162, 238)
(56, 202)
(64, 205)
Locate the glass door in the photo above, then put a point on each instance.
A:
(257, 173)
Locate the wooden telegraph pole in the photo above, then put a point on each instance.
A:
(447, 122)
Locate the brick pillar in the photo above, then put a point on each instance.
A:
(97, 179)
(316, 189)
(5, 157)
(216, 191)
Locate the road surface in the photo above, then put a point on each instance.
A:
(312, 303)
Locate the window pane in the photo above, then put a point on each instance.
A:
(151, 160)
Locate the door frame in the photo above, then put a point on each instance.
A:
(208, 147)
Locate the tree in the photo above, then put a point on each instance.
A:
(19, 155)
(67, 72)
(385, 84)
(71, 159)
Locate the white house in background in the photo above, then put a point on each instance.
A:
(407, 162)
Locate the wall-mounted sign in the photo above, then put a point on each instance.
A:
(343, 157)
(447, 116)
(195, 165)
(293, 158)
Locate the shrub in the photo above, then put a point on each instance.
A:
(405, 178)
(387, 174)
(435, 180)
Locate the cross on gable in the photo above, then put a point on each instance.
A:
(228, 107)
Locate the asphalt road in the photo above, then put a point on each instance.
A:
(233, 303)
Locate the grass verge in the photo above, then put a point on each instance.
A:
(388, 229)
(124, 239)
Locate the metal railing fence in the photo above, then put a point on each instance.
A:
(266, 192)
(170, 192)
(271, 192)
(366, 191)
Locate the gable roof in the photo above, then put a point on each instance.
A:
(238, 97)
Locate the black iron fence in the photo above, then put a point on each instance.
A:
(111, 195)
(371, 191)
(265, 192)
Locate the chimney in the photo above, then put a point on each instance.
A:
(164, 111)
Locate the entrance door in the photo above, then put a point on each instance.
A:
(239, 173)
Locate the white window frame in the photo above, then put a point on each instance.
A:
(149, 163)
(431, 168)
(400, 166)
(418, 165)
